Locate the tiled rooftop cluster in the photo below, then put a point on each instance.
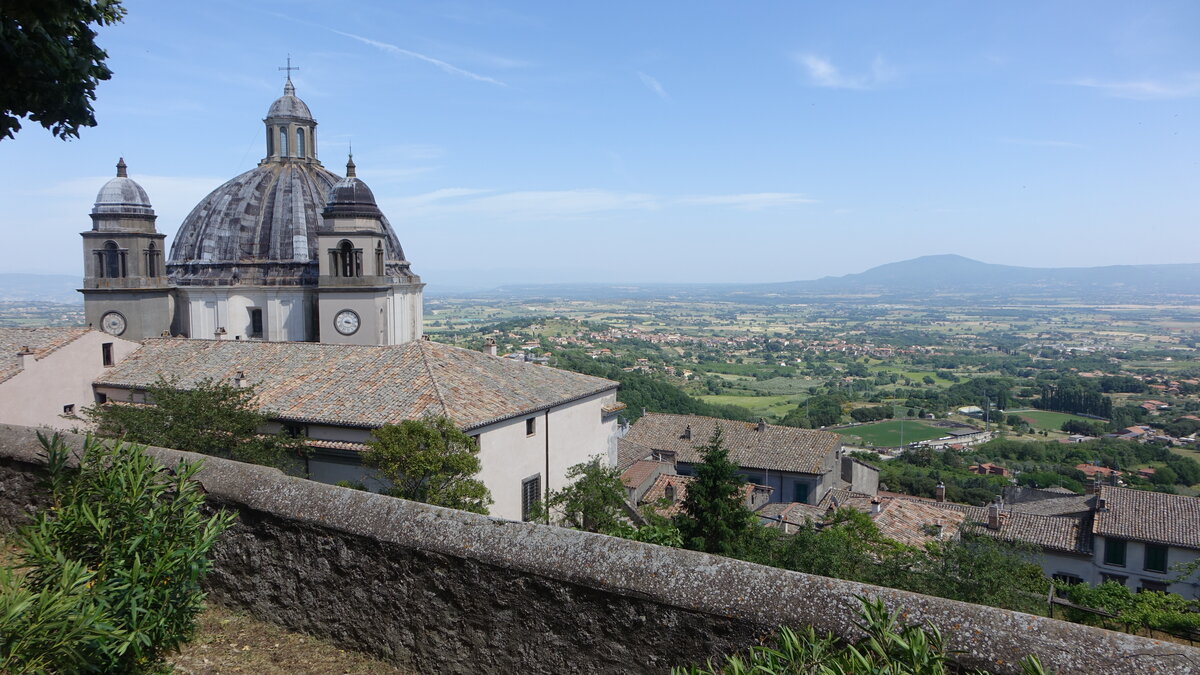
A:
(750, 446)
(40, 341)
(360, 386)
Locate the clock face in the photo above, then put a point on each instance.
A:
(346, 322)
(113, 323)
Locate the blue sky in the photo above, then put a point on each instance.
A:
(663, 141)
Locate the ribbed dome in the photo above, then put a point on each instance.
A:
(351, 197)
(259, 228)
(289, 105)
(122, 196)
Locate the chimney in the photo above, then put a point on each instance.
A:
(219, 333)
(876, 505)
(26, 356)
(1101, 504)
(994, 516)
(669, 492)
(941, 492)
(1112, 478)
(489, 346)
(687, 433)
(762, 424)
(239, 380)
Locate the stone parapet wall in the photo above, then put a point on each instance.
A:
(445, 591)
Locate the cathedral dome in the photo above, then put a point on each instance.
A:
(122, 196)
(289, 105)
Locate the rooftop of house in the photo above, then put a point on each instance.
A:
(1154, 517)
(677, 487)
(1054, 501)
(1068, 534)
(639, 471)
(915, 523)
(41, 342)
(629, 452)
(751, 446)
(360, 386)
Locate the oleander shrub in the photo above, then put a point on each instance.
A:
(136, 536)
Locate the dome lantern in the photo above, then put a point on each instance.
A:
(291, 129)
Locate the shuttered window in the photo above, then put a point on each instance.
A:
(531, 493)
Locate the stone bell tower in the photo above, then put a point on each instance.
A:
(125, 288)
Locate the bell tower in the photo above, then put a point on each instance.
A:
(364, 295)
(125, 288)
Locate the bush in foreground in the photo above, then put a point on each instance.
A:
(113, 567)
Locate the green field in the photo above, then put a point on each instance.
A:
(1044, 419)
(888, 434)
(764, 406)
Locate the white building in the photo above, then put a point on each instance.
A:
(46, 373)
(532, 422)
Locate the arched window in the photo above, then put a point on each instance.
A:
(300, 142)
(151, 260)
(270, 142)
(283, 142)
(113, 267)
(351, 259)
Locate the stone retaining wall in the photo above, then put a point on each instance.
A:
(444, 591)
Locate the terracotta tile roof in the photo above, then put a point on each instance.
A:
(1069, 534)
(776, 448)
(361, 386)
(658, 492)
(613, 408)
(915, 523)
(777, 514)
(637, 474)
(41, 341)
(336, 445)
(1155, 517)
(629, 452)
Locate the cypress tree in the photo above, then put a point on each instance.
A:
(715, 518)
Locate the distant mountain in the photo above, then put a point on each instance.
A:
(934, 279)
(956, 275)
(60, 288)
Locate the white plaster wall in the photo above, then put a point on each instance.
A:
(35, 396)
(284, 312)
(1135, 558)
(506, 457)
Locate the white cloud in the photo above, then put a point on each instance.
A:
(550, 204)
(653, 85)
(822, 72)
(393, 49)
(1144, 90)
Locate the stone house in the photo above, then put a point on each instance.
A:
(799, 465)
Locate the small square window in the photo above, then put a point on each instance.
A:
(101, 397)
(69, 409)
(531, 426)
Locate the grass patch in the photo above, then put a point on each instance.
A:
(891, 433)
(763, 406)
(1044, 419)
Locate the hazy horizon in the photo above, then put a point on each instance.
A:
(666, 143)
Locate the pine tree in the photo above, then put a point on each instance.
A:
(715, 518)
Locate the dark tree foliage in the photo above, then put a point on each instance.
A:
(715, 518)
(594, 501)
(642, 390)
(210, 417)
(1075, 395)
(881, 412)
(429, 461)
(51, 63)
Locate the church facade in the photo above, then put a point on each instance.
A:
(288, 251)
